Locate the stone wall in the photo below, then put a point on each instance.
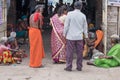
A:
(113, 23)
(3, 29)
(3, 17)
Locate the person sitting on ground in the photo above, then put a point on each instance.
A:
(12, 42)
(88, 48)
(9, 55)
(25, 21)
(21, 30)
(112, 58)
(5, 53)
(91, 42)
(10, 28)
(95, 39)
(98, 42)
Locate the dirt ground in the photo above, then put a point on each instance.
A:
(55, 71)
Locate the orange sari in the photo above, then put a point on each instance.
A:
(36, 47)
(99, 34)
(98, 43)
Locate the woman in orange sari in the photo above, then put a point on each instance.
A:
(35, 37)
(98, 42)
(57, 38)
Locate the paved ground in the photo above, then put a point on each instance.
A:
(55, 71)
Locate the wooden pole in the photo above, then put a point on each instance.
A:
(4, 18)
(104, 21)
(98, 13)
(117, 19)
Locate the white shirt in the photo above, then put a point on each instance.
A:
(75, 26)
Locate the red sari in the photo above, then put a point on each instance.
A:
(57, 40)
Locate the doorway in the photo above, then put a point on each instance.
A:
(93, 11)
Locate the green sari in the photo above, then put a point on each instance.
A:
(107, 63)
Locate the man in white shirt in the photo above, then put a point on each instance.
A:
(74, 28)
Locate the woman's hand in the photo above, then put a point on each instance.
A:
(108, 57)
(101, 57)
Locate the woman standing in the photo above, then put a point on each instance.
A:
(57, 39)
(35, 36)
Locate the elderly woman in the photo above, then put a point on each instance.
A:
(112, 59)
(5, 54)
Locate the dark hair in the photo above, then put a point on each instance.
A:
(78, 5)
(98, 28)
(92, 29)
(61, 10)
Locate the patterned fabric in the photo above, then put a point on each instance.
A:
(1, 58)
(57, 40)
(7, 57)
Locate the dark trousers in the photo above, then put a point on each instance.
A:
(70, 45)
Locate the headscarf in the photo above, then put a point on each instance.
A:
(114, 36)
(24, 17)
(12, 37)
(3, 40)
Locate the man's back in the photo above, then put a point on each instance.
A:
(77, 18)
(75, 25)
(74, 28)
(32, 22)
